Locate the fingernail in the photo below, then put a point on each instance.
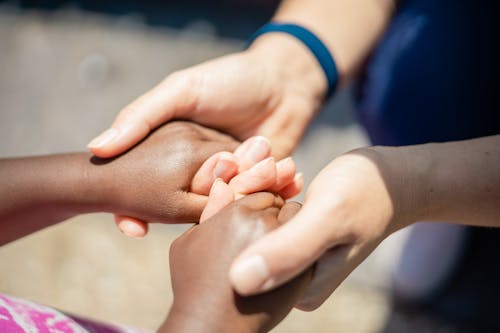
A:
(225, 168)
(103, 139)
(281, 164)
(299, 177)
(132, 229)
(259, 149)
(250, 275)
(263, 163)
(264, 173)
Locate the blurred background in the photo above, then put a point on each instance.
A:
(66, 69)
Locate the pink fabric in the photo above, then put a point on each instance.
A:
(21, 316)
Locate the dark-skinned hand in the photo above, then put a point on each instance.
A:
(204, 300)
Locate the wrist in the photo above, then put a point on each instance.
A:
(405, 171)
(204, 321)
(294, 66)
(40, 191)
(80, 184)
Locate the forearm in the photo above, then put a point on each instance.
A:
(457, 182)
(37, 192)
(349, 29)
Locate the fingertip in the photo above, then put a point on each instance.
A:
(294, 188)
(222, 165)
(306, 307)
(288, 211)
(118, 139)
(285, 172)
(258, 178)
(226, 168)
(220, 196)
(250, 275)
(309, 302)
(103, 139)
(131, 227)
(252, 151)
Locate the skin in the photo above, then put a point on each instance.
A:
(40, 191)
(362, 197)
(265, 91)
(247, 170)
(204, 300)
(277, 98)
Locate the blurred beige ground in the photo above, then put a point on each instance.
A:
(64, 76)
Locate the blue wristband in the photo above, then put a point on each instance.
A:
(313, 43)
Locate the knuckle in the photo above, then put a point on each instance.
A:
(181, 81)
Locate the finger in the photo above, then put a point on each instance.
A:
(293, 188)
(173, 97)
(288, 211)
(190, 207)
(285, 173)
(260, 201)
(330, 270)
(131, 226)
(220, 196)
(258, 178)
(282, 254)
(222, 165)
(252, 151)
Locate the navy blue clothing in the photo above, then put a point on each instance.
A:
(434, 78)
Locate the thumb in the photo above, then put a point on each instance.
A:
(282, 254)
(171, 98)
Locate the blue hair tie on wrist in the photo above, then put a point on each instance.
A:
(313, 43)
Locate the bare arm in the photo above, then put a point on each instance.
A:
(151, 182)
(365, 195)
(456, 181)
(349, 28)
(37, 192)
(272, 89)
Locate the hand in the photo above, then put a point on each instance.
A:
(152, 181)
(199, 264)
(262, 91)
(350, 207)
(248, 170)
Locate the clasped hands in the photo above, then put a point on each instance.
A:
(204, 299)
(349, 206)
(173, 171)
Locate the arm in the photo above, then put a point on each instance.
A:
(37, 192)
(349, 29)
(362, 197)
(151, 182)
(458, 182)
(204, 300)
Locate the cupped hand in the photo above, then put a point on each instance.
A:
(200, 260)
(350, 207)
(243, 94)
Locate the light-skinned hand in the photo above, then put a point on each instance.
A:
(244, 94)
(349, 208)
